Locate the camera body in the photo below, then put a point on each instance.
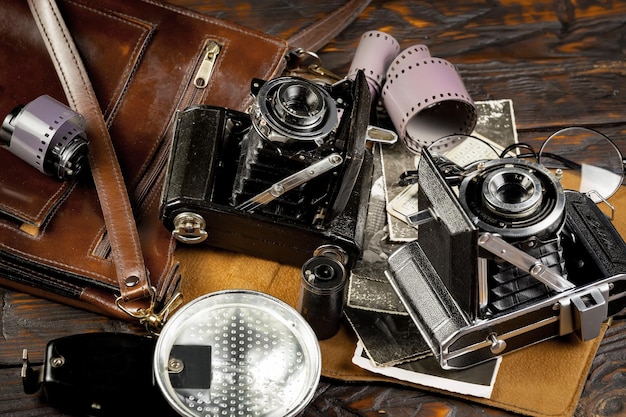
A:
(507, 261)
(283, 181)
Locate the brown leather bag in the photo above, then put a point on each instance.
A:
(145, 60)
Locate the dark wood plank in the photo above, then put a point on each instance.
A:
(14, 402)
(28, 322)
(562, 63)
(375, 400)
(543, 53)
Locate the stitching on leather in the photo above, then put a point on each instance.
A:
(39, 217)
(60, 265)
(64, 285)
(185, 85)
(154, 197)
(218, 22)
(228, 25)
(140, 45)
(53, 210)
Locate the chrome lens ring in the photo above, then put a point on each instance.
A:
(512, 192)
(513, 197)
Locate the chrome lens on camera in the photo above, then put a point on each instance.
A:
(291, 109)
(512, 192)
(48, 136)
(514, 198)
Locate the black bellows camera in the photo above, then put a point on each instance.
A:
(505, 258)
(283, 181)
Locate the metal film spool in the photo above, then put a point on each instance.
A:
(47, 135)
(374, 54)
(426, 99)
(247, 353)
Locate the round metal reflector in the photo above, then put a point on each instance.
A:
(237, 353)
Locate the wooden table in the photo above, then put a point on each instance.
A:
(562, 64)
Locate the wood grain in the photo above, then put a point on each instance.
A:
(562, 63)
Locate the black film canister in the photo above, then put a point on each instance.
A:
(321, 295)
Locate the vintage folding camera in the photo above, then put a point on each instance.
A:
(505, 258)
(285, 181)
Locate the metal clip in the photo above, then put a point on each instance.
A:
(189, 228)
(149, 317)
(292, 181)
(307, 64)
(597, 197)
(203, 75)
(32, 378)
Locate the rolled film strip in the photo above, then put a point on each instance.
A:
(374, 54)
(426, 99)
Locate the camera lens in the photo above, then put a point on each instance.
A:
(514, 198)
(512, 192)
(299, 104)
(293, 110)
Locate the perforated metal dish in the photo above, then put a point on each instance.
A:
(244, 353)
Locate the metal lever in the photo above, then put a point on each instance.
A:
(497, 345)
(189, 228)
(524, 261)
(32, 378)
(292, 181)
(380, 135)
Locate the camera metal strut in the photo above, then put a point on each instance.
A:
(281, 187)
(499, 247)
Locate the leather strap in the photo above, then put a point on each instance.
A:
(318, 34)
(118, 216)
